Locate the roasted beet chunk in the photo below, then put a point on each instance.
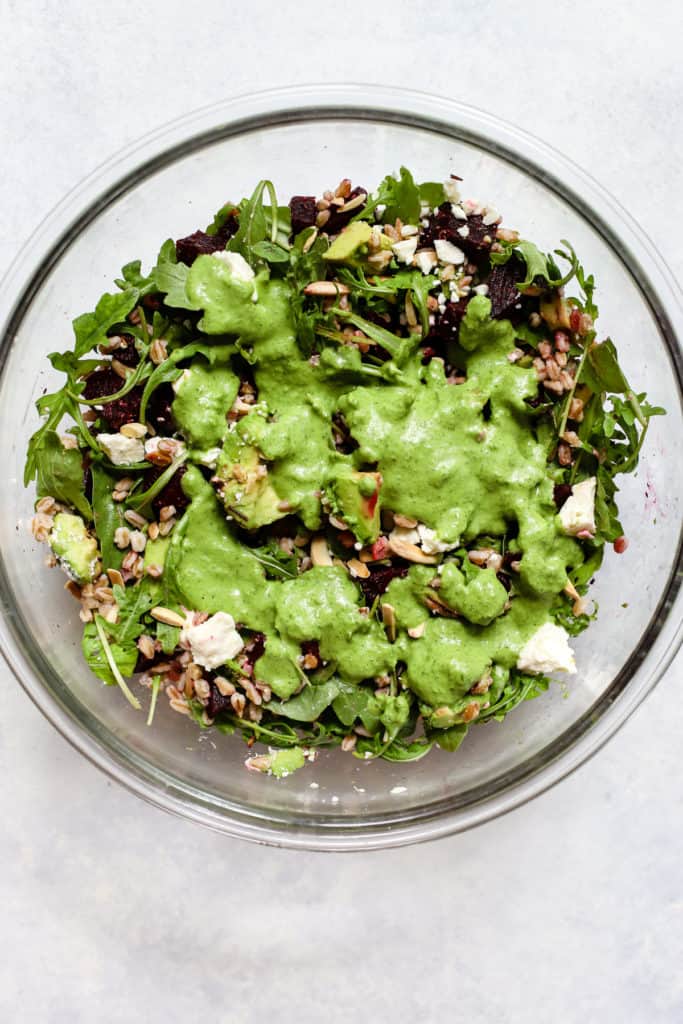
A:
(200, 243)
(123, 410)
(159, 409)
(480, 237)
(217, 702)
(379, 579)
(254, 648)
(127, 353)
(502, 288)
(561, 493)
(443, 225)
(447, 324)
(340, 218)
(304, 212)
(102, 383)
(172, 493)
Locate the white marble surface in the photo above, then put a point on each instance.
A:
(569, 910)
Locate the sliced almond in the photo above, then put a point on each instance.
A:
(411, 552)
(133, 430)
(115, 578)
(389, 620)
(358, 568)
(165, 615)
(571, 591)
(417, 631)
(405, 521)
(326, 288)
(320, 553)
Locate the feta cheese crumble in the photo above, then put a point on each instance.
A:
(448, 253)
(237, 263)
(578, 512)
(213, 642)
(121, 450)
(426, 261)
(405, 250)
(450, 187)
(547, 650)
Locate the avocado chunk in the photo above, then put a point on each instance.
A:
(480, 599)
(155, 552)
(247, 492)
(354, 497)
(349, 245)
(75, 548)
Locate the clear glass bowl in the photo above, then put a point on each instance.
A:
(307, 139)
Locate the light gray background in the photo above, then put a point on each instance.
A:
(569, 910)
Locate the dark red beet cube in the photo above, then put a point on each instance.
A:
(340, 218)
(379, 579)
(199, 243)
(303, 211)
(503, 291)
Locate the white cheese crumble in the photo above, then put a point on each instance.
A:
(458, 212)
(405, 250)
(408, 230)
(452, 191)
(237, 263)
(405, 534)
(481, 289)
(463, 231)
(448, 253)
(426, 261)
(210, 457)
(578, 512)
(239, 268)
(491, 216)
(120, 449)
(213, 642)
(430, 543)
(547, 650)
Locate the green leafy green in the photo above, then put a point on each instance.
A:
(278, 564)
(91, 328)
(308, 705)
(541, 268)
(60, 474)
(109, 661)
(108, 515)
(170, 278)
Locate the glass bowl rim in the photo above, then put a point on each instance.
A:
(413, 109)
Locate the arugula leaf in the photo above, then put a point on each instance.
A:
(253, 223)
(91, 328)
(60, 474)
(401, 750)
(109, 661)
(170, 278)
(277, 563)
(133, 603)
(415, 282)
(132, 277)
(519, 688)
(449, 739)
(308, 705)
(357, 703)
(432, 193)
(541, 267)
(270, 252)
(400, 196)
(108, 515)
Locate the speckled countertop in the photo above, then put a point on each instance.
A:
(568, 910)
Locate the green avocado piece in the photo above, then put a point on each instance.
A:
(155, 551)
(247, 493)
(480, 600)
(354, 497)
(346, 247)
(75, 548)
